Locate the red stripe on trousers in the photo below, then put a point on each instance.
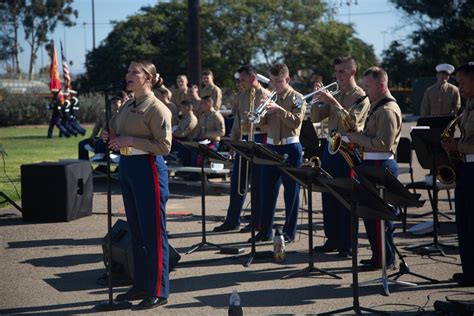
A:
(159, 239)
(378, 228)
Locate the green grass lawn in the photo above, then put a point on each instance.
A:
(28, 144)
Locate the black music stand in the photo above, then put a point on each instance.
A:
(257, 154)
(363, 203)
(430, 154)
(381, 181)
(211, 155)
(111, 304)
(307, 176)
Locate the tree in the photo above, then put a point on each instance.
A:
(233, 33)
(442, 34)
(10, 15)
(399, 65)
(40, 18)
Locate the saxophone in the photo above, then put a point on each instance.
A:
(349, 152)
(446, 174)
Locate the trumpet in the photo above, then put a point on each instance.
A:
(256, 116)
(333, 88)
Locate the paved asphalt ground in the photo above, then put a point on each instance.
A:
(52, 268)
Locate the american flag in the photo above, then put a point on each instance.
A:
(66, 74)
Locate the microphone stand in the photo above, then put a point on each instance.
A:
(110, 304)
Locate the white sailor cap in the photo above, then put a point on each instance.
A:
(445, 68)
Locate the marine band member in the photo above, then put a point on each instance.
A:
(379, 141)
(442, 98)
(464, 197)
(336, 218)
(283, 122)
(240, 131)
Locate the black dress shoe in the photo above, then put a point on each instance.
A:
(246, 229)
(458, 276)
(224, 228)
(325, 248)
(344, 253)
(376, 266)
(131, 295)
(150, 302)
(367, 262)
(465, 283)
(260, 237)
(288, 239)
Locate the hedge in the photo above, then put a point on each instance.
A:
(24, 109)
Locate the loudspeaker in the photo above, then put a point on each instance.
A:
(56, 191)
(122, 254)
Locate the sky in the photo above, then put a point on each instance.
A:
(377, 22)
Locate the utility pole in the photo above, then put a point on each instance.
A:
(194, 42)
(93, 25)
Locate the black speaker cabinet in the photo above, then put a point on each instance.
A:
(56, 191)
(122, 253)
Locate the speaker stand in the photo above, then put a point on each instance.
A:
(8, 200)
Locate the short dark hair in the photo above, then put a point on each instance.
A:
(345, 59)
(248, 69)
(207, 72)
(115, 98)
(207, 98)
(279, 69)
(376, 73)
(467, 69)
(187, 103)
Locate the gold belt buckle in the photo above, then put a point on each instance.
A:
(126, 151)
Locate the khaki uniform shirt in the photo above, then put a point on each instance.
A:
(466, 125)
(174, 112)
(240, 110)
(99, 125)
(186, 126)
(440, 100)
(215, 92)
(347, 100)
(211, 126)
(148, 121)
(179, 96)
(286, 122)
(383, 128)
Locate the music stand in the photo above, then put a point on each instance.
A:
(111, 304)
(312, 145)
(257, 154)
(361, 203)
(211, 155)
(430, 154)
(381, 181)
(307, 177)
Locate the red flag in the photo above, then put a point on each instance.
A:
(54, 83)
(66, 74)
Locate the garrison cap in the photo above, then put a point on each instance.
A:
(449, 69)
